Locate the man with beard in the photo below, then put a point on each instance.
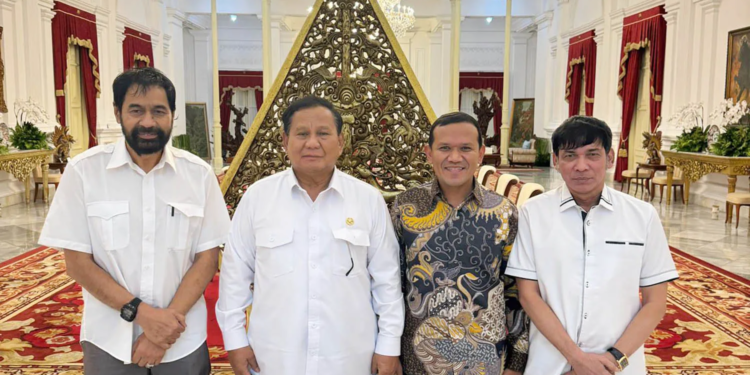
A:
(140, 224)
(462, 313)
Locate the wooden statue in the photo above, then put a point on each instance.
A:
(231, 144)
(485, 111)
(62, 141)
(652, 145)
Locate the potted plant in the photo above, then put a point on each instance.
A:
(28, 137)
(734, 139)
(694, 137)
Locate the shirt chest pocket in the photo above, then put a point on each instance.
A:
(110, 223)
(624, 251)
(349, 253)
(183, 225)
(274, 252)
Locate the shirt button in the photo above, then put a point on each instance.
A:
(312, 238)
(314, 325)
(314, 266)
(588, 223)
(314, 296)
(585, 316)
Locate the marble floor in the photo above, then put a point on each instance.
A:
(691, 229)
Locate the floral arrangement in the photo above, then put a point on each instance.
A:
(31, 112)
(728, 113)
(26, 135)
(688, 117)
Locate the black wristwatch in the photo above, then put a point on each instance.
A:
(130, 309)
(622, 359)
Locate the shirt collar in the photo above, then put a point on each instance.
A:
(335, 184)
(120, 157)
(567, 201)
(477, 192)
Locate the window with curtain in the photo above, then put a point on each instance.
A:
(468, 97)
(243, 98)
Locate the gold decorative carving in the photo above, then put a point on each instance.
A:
(144, 58)
(695, 165)
(20, 164)
(86, 43)
(346, 54)
(3, 106)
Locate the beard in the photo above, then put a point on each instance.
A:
(146, 146)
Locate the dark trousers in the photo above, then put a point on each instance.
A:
(98, 362)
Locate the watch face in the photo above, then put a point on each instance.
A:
(624, 362)
(127, 313)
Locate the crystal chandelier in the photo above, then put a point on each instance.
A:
(400, 17)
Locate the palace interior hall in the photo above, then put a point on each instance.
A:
(671, 78)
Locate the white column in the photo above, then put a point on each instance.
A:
(615, 53)
(602, 94)
(456, 52)
(218, 160)
(40, 72)
(155, 42)
(541, 80)
(437, 72)
(505, 128)
(709, 66)
(268, 71)
(672, 96)
(549, 106)
(277, 58)
(19, 51)
(7, 8)
(104, 114)
(446, 67)
(176, 66)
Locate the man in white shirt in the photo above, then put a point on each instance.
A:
(582, 255)
(319, 248)
(140, 224)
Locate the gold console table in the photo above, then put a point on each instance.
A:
(695, 165)
(21, 163)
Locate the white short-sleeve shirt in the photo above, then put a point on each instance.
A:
(590, 270)
(143, 229)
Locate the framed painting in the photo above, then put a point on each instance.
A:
(521, 121)
(196, 121)
(738, 65)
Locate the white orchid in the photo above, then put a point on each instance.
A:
(728, 113)
(688, 116)
(29, 111)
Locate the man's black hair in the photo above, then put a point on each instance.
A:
(310, 102)
(579, 131)
(142, 79)
(454, 118)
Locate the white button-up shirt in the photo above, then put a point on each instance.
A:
(590, 270)
(321, 271)
(143, 229)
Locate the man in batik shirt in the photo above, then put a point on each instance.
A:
(462, 313)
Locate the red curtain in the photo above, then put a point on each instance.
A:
(581, 63)
(137, 51)
(229, 80)
(482, 81)
(645, 32)
(71, 26)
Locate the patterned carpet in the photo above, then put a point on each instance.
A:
(706, 330)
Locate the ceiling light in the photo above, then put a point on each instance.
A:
(400, 17)
(489, 20)
(309, 9)
(233, 17)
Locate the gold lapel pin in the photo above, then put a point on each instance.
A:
(349, 221)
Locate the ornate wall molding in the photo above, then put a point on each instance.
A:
(481, 58)
(241, 55)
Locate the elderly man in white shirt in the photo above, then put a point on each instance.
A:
(582, 255)
(319, 247)
(140, 224)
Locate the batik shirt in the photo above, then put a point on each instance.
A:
(463, 315)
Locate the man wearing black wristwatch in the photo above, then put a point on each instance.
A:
(140, 224)
(583, 255)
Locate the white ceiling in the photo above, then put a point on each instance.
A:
(422, 8)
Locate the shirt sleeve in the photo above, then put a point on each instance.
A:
(66, 225)
(215, 226)
(383, 265)
(517, 321)
(236, 276)
(521, 262)
(658, 265)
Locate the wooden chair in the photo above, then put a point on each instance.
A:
(736, 200)
(484, 172)
(52, 179)
(514, 191)
(528, 190)
(661, 181)
(504, 183)
(629, 175)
